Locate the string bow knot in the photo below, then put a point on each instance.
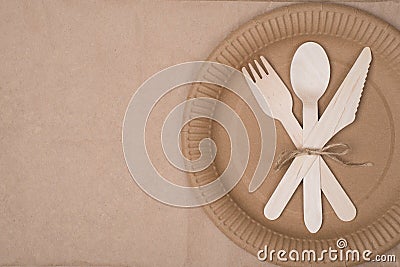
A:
(333, 151)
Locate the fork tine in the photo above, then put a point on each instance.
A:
(260, 69)
(267, 66)
(246, 74)
(254, 72)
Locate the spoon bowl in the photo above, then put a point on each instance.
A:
(310, 72)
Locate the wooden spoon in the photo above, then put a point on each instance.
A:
(310, 75)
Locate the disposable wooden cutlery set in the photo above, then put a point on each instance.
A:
(309, 75)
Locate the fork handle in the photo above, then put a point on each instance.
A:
(293, 129)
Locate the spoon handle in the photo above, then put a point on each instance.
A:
(312, 203)
(310, 118)
(312, 197)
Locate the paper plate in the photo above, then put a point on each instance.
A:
(343, 32)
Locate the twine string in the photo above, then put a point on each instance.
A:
(333, 151)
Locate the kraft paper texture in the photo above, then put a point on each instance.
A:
(68, 70)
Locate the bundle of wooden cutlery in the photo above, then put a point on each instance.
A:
(310, 75)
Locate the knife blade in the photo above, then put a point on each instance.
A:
(342, 109)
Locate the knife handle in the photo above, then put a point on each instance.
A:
(337, 197)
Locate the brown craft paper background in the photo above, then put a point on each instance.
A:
(68, 70)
